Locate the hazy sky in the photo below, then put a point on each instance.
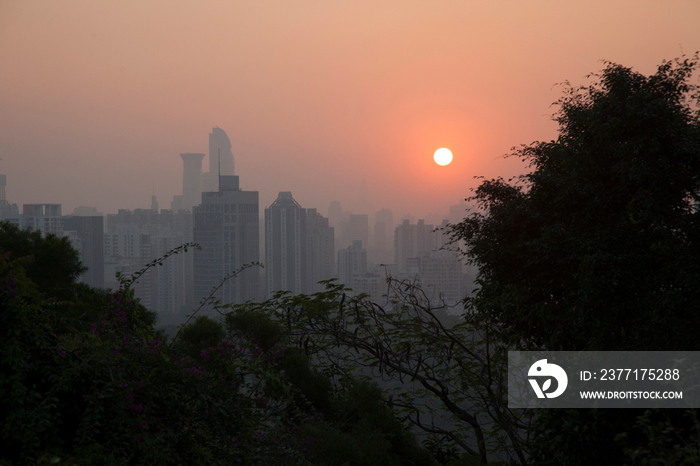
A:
(99, 98)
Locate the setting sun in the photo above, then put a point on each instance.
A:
(443, 156)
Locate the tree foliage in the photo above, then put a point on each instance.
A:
(102, 387)
(92, 382)
(352, 422)
(53, 263)
(445, 378)
(598, 248)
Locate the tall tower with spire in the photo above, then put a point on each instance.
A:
(219, 150)
(154, 201)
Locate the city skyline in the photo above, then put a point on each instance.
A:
(195, 183)
(340, 102)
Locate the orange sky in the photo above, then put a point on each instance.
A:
(99, 98)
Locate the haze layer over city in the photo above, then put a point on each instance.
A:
(333, 101)
(320, 232)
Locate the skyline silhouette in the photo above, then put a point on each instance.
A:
(99, 100)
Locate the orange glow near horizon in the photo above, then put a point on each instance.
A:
(100, 98)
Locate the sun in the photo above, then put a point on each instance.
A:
(443, 156)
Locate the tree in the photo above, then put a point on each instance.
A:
(55, 265)
(109, 391)
(444, 377)
(94, 383)
(598, 248)
(351, 422)
(199, 335)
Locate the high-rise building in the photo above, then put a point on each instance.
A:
(335, 220)
(83, 211)
(383, 236)
(458, 212)
(3, 184)
(441, 276)
(320, 250)
(90, 233)
(168, 287)
(220, 145)
(46, 218)
(220, 159)
(359, 228)
(176, 204)
(226, 227)
(411, 240)
(335, 215)
(285, 245)
(8, 212)
(372, 284)
(191, 179)
(442, 236)
(352, 263)
(135, 238)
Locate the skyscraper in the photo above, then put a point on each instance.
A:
(352, 262)
(3, 183)
(285, 245)
(90, 231)
(191, 179)
(46, 218)
(320, 250)
(441, 276)
(359, 228)
(133, 239)
(335, 215)
(411, 240)
(226, 227)
(219, 143)
(8, 212)
(383, 236)
(220, 159)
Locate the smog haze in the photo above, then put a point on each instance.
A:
(323, 99)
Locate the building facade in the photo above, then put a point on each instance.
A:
(220, 159)
(285, 246)
(320, 250)
(411, 240)
(46, 218)
(441, 276)
(89, 231)
(382, 250)
(352, 263)
(226, 227)
(135, 238)
(191, 179)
